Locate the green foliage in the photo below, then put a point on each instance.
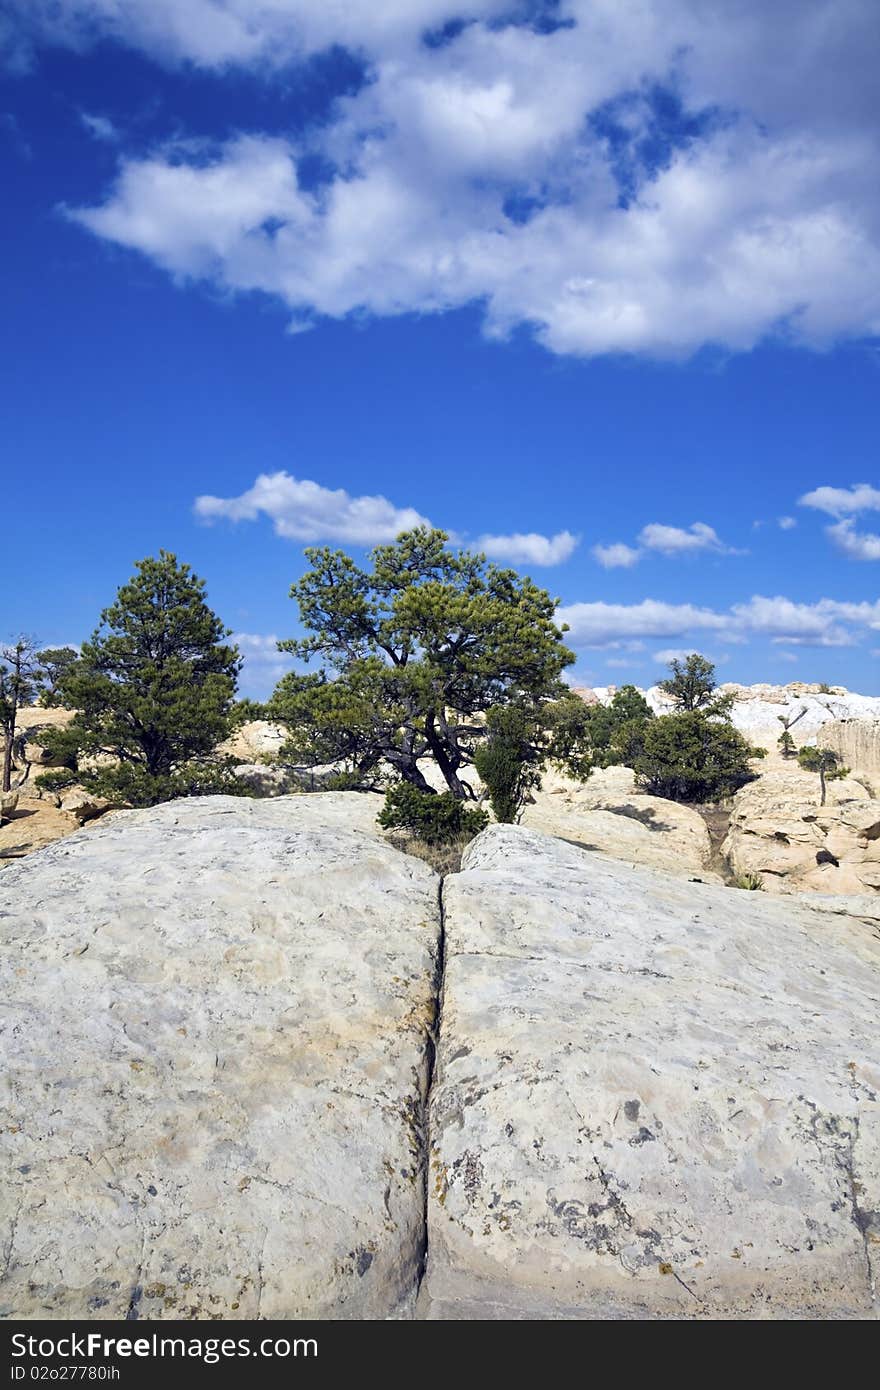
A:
(693, 756)
(437, 818)
(614, 731)
(417, 649)
(54, 662)
(825, 762)
(153, 690)
(57, 779)
(786, 744)
(509, 761)
(824, 689)
(692, 685)
(751, 883)
(132, 784)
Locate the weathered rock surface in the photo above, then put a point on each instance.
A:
(214, 1022)
(31, 826)
(255, 740)
(652, 1098)
(82, 805)
(608, 813)
(857, 745)
(778, 830)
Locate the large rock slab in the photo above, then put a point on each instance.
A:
(652, 1098)
(609, 813)
(215, 1020)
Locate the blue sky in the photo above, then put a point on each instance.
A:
(594, 286)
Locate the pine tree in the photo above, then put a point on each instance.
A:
(825, 762)
(418, 649)
(20, 677)
(154, 691)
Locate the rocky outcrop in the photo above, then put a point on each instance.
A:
(857, 745)
(652, 1098)
(610, 814)
(215, 1019)
(779, 832)
(257, 740)
(218, 1019)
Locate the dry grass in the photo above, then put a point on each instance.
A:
(443, 859)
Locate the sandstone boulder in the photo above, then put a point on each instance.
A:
(215, 1020)
(652, 1098)
(82, 805)
(610, 814)
(778, 830)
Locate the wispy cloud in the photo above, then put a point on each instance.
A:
(100, 127)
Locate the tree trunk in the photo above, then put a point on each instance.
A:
(447, 764)
(822, 785)
(7, 760)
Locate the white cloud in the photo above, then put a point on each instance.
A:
(786, 523)
(530, 549)
(858, 545)
(779, 620)
(607, 624)
(672, 540)
(101, 127)
(670, 654)
(766, 221)
(617, 556)
(842, 501)
(302, 510)
(664, 540)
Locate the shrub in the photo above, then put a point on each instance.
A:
(437, 818)
(58, 780)
(508, 762)
(691, 756)
(614, 730)
(132, 785)
(752, 883)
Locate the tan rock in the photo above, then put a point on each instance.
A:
(778, 830)
(216, 1017)
(652, 1099)
(609, 814)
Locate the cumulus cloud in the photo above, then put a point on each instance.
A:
(663, 540)
(617, 556)
(779, 620)
(672, 540)
(606, 624)
(843, 501)
(302, 510)
(531, 548)
(786, 523)
(528, 167)
(858, 545)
